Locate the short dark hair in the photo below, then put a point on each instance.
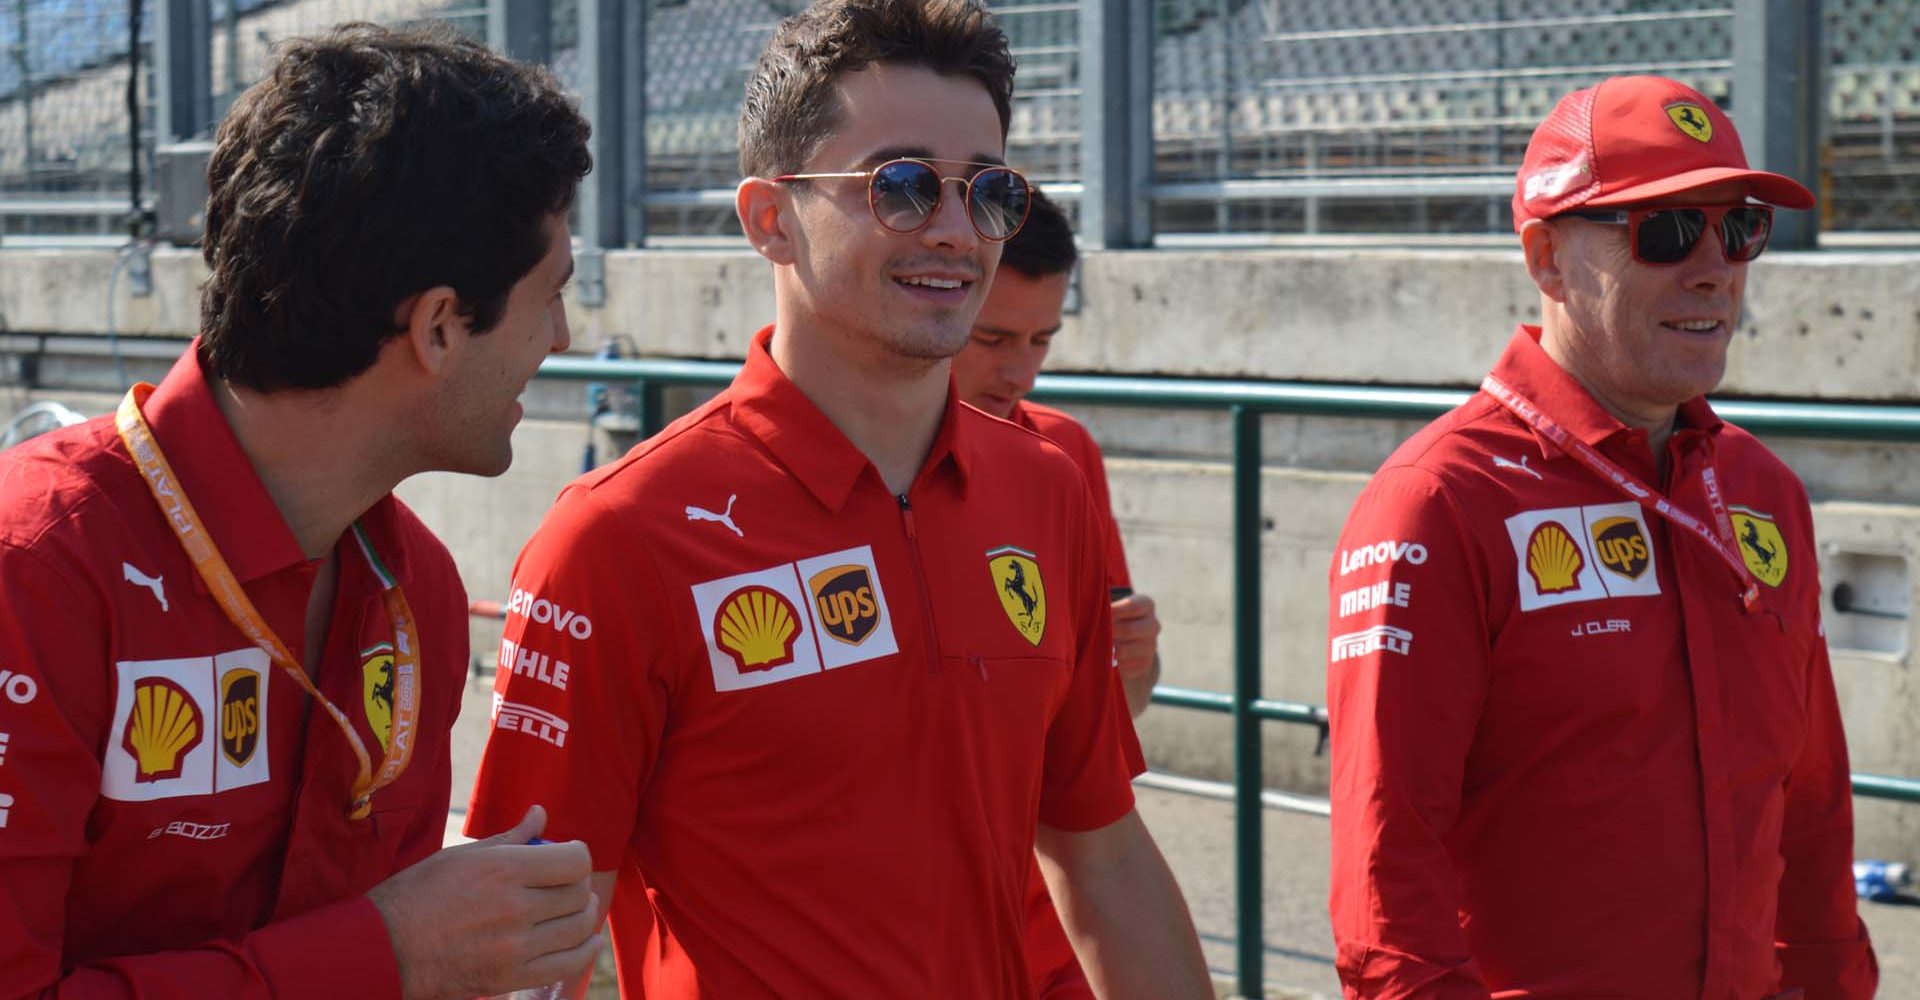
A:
(791, 106)
(370, 165)
(1044, 245)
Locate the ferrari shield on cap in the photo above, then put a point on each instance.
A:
(1632, 139)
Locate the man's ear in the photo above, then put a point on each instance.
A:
(1541, 243)
(431, 327)
(764, 211)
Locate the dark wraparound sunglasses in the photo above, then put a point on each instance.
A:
(905, 193)
(1662, 236)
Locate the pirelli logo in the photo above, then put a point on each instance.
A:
(1378, 639)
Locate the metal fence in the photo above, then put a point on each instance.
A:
(1269, 119)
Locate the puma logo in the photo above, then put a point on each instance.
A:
(1504, 463)
(156, 584)
(702, 514)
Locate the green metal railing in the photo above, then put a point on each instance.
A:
(1247, 402)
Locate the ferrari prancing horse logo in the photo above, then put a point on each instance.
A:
(1692, 119)
(376, 688)
(1761, 546)
(1016, 578)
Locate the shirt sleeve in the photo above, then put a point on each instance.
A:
(1819, 937)
(1085, 782)
(53, 632)
(1094, 465)
(578, 707)
(1407, 672)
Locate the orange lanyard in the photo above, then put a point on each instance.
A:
(1721, 541)
(220, 580)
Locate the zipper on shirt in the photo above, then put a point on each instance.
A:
(920, 580)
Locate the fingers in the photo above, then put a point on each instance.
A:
(558, 902)
(1135, 630)
(543, 865)
(567, 964)
(566, 930)
(528, 828)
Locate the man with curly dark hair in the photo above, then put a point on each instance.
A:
(229, 658)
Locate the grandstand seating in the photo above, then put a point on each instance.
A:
(1242, 88)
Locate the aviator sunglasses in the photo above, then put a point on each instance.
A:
(904, 194)
(1662, 236)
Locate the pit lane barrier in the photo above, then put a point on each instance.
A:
(1247, 402)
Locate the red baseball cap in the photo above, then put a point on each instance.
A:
(1631, 139)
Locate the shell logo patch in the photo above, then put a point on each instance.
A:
(1016, 578)
(1621, 546)
(163, 728)
(1761, 544)
(1691, 119)
(239, 715)
(376, 690)
(164, 714)
(1553, 559)
(843, 598)
(756, 625)
(1563, 555)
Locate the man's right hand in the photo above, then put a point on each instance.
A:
(495, 915)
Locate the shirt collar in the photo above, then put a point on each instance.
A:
(223, 487)
(1526, 367)
(769, 406)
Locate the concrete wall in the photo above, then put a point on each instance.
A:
(1832, 326)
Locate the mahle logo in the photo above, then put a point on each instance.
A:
(1621, 546)
(844, 597)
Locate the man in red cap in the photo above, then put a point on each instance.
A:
(1585, 740)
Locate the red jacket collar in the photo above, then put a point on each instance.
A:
(769, 406)
(1527, 368)
(225, 490)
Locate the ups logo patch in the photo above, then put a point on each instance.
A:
(843, 595)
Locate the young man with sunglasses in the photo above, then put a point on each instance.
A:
(1585, 738)
(230, 660)
(849, 639)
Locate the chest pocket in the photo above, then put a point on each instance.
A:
(1763, 679)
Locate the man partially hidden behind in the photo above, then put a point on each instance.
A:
(229, 658)
(809, 669)
(1585, 739)
(995, 372)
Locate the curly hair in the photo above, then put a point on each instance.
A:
(370, 165)
(1044, 245)
(791, 104)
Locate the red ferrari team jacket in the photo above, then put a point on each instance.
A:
(1566, 763)
(173, 808)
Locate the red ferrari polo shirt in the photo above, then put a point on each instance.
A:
(173, 811)
(1056, 970)
(1566, 763)
(812, 724)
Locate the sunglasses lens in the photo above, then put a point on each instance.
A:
(1668, 236)
(997, 199)
(905, 194)
(1745, 231)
